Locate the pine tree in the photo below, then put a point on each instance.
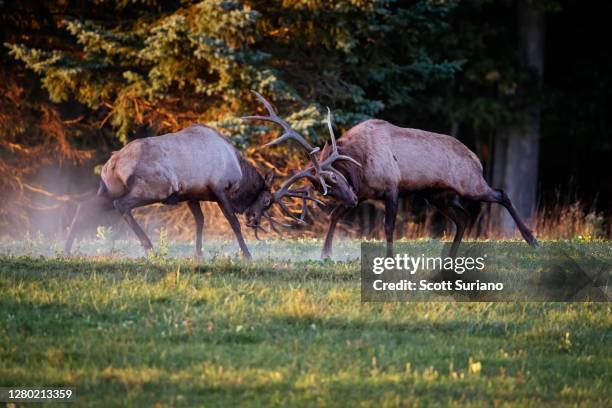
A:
(174, 63)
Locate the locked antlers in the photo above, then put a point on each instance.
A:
(318, 170)
(302, 193)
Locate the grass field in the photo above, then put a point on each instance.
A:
(284, 330)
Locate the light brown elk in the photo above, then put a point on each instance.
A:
(380, 161)
(396, 162)
(195, 164)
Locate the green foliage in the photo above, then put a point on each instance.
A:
(188, 61)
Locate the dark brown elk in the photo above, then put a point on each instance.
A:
(320, 172)
(195, 164)
(396, 162)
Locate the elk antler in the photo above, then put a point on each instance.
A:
(303, 193)
(326, 164)
(290, 133)
(256, 230)
(273, 222)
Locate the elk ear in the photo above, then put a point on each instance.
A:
(269, 178)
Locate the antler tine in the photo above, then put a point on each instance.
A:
(292, 180)
(272, 223)
(308, 196)
(256, 229)
(305, 197)
(289, 133)
(307, 173)
(274, 220)
(287, 212)
(334, 155)
(331, 130)
(265, 103)
(304, 193)
(305, 211)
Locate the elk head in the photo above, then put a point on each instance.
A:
(320, 173)
(262, 203)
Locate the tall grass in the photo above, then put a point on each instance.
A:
(557, 221)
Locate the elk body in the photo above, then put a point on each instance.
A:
(396, 162)
(195, 164)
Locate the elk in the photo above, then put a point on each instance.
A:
(195, 164)
(396, 162)
(389, 162)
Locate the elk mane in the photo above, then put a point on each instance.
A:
(245, 192)
(352, 172)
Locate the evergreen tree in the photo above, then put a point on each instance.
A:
(173, 63)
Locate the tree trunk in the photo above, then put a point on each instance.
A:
(516, 150)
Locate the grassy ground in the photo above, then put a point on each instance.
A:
(284, 332)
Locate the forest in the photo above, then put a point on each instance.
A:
(524, 84)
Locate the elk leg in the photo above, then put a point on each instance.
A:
(462, 220)
(335, 216)
(198, 216)
(500, 197)
(390, 216)
(455, 212)
(228, 212)
(125, 205)
(86, 212)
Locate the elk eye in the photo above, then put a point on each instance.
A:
(333, 178)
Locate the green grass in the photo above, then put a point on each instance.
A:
(292, 333)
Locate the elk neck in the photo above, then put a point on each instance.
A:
(250, 186)
(352, 172)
